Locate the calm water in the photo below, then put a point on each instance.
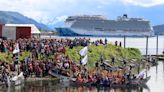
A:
(155, 84)
(130, 42)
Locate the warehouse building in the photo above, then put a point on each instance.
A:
(16, 31)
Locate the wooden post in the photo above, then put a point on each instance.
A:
(39, 35)
(157, 47)
(147, 41)
(138, 68)
(124, 41)
(49, 34)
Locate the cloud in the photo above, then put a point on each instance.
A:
(39, 10)
(53, 11)
(99, 6)
(54, 20)
(144, 3)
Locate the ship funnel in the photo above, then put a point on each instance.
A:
(125, 16)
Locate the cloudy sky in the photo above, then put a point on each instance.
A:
(54, 11)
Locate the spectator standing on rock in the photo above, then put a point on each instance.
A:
(120, 44)
(116, 43)
(113, 60)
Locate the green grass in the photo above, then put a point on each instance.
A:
(7, 57)
(94, 54)
(109, 51)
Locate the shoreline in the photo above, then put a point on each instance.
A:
(41, 79)
(32, 79)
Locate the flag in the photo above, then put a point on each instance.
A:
(83, 51)
(84, 60)
(16, 50)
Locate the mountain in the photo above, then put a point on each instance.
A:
(56, 25)
(56, 22)
(9, 17)
(159, 29)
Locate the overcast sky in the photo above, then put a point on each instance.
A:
(53, 11)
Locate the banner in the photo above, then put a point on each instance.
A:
(84, 60)
(16, 50)
(83, 51)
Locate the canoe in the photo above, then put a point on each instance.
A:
(107, 66)
(72, 82)
(59, 76)
(131, 84)
(161, 58)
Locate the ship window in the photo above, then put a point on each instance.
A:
(98, 29)
(70, 20)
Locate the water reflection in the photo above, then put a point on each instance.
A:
(156, 72)
(163, 68)
(51, 86)
(155, 84)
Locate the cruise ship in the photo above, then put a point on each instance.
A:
(97, 25)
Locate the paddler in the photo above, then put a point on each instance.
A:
(79, 78)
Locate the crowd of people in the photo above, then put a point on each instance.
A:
(33, 66)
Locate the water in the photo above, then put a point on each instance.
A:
(155, 84)
(131, 42)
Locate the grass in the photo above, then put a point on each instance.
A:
(94, 54)
(107, 52)
(7, 57)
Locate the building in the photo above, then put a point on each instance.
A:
(16, 31)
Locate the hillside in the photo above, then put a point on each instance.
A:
(159, 29)
(17, 18)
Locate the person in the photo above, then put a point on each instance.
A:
(25, 69)
(130, 67)
(113, 60)
(16, 63)
(124, 62)
(101, 59)
(106, 41)
(120, 44)
(116, 43)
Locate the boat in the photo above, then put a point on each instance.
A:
(72, 81)
(17, 80)
(55, 73)
(99, 26)
(131, 84)
(161, 58)
(14, 81)
(106, 66)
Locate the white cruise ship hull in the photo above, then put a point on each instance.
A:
(83, 32)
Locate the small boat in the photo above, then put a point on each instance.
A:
(55, 73)
(107, 66)
(14, 81)
(161, 58)
(17, 80)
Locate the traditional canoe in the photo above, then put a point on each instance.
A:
(71, 81)
(131, 83)
(62, 78)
